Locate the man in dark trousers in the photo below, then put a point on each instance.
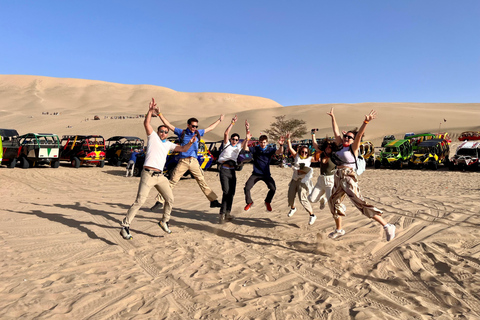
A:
(262, 156)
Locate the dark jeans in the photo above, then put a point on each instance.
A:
(228, 180)
(254, 179)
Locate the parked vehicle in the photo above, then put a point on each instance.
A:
(367, 151)
(430, 154)
(395, 154)
(416, 139)
(466, 157)
(9, 147)
(469, 135)
(39, 148)
(120, 148)
(443, 135)
(80, 150)
(408, 135)
(387, 139)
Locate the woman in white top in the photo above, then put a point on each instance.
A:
(301, 180)
(346, 179)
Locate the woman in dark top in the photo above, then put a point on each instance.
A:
(323, 188)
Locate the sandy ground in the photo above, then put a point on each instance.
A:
(63, 257)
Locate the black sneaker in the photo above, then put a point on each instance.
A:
(157, 205)
(164, 226)
(125, 233)
(215, 204)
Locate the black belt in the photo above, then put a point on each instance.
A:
(153, 173)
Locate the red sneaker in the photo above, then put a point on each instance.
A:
(269, 207)
(248, 206)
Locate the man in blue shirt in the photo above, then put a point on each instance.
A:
(188, 160)
(262, 156)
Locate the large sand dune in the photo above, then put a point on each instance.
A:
(63, 257)
(23, 99)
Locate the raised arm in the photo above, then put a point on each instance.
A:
(281, 142)
(213, 125)
(289, 144)
(245, 142)
(164, 120)
(314, 141)
(227, 131)
(247, 134)
(336, 132)
(152, 107)
(185, 147)
(358, 138)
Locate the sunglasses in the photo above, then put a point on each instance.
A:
(163, 131)
(234, 139)
(194, 126)
(304, 152)
(348, 137)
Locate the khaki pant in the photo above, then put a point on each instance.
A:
(346, 183)
(297, 187)
(149, 180)
(193, 166)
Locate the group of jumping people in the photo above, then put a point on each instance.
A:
(337, 179)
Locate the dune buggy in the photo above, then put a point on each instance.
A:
(9, 147)
(80, 150)
(39, 148)
(430, 154)
(466, 157)
(120, 148)
(395, 154)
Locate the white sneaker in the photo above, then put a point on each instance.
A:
(291, 212)
(389, 231)
(312, 219)
(336, 234)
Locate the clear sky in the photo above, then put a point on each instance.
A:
(294, 52)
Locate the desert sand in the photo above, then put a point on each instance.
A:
(63, 256)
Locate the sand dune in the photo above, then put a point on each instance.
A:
(63, 257)
(24, 98)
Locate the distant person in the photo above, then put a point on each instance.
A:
(227, 162)
(152, 176)
(301, 184)
(188, 159)
(322, 190)
(262, 156)
(346, 179)
(131, 162)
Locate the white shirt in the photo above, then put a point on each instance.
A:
(229, 153)
(296, 166)
(157, 151)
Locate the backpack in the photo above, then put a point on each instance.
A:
(360, 162)
(244, 156)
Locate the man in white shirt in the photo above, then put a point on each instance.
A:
(156, 155)
(227, 162)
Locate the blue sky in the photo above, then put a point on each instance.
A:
(294, 52)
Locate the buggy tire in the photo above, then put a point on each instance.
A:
(55, 164)
(434, 166)
(24, 163)
(378, 164)
(101, 164)
(12, 163)
(75, 162)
